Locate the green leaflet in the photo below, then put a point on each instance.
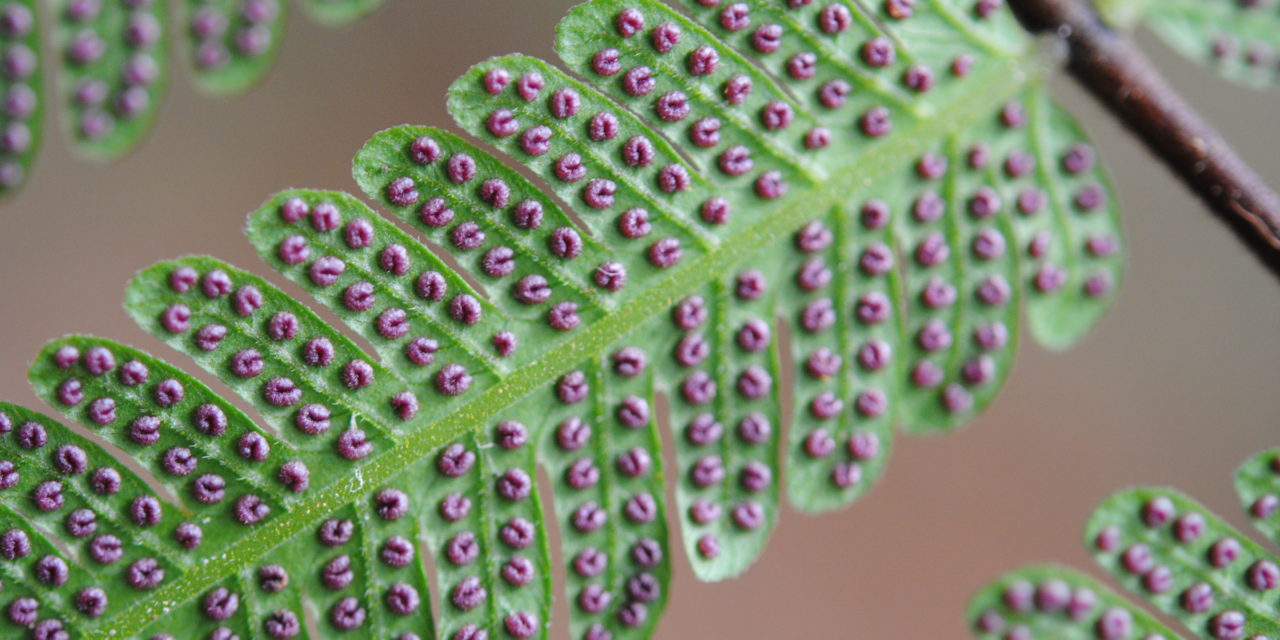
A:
(1239, 40)
(1185, 561)
(232, 43)
(705, 203)
(23, 114)
(337, 12)
(113, 70)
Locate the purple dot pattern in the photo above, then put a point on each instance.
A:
(602, 453)
(114, 60)
(21, 87)
(1050, 602)
(233, 42)
(1238, 42)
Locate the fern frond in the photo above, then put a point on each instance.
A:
(713, 203)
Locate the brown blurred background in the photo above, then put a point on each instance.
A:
(1174, 387)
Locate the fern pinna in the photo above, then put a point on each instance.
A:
(112, 65)
(1188, 563)
(889, 186)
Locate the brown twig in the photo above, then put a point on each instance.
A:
(1116, 72)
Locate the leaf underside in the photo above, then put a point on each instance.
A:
(1186, 562)
(111, 59)
(1237, 39)
(864, 196)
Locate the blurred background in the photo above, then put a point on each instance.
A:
(1175, 386)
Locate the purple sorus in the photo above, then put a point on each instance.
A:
(453, 380)
(69, 459)
(517, 533)
(593, 598)
(468, 594)
(872, 403)
(454, 507)
(105, 481)
(31, 435)
(455, 460)
(425, 150)
(673, 178)
(246, 300)
(802, 66)
(514, 485)
(634, 462)
(707, 471)
(251, 510)
(397, 551)
(501, 123)
(1224, 552)
(536, 141)
(295, 476)
(394, 259)
(253, 446)
(1018, 164)
(282, 624)
(825, 406)
(326, 270)
(572, 387)
(421, 351)
(495, 80)
(210, 336)
(754, 382)
(392, 323)
(928, 207)
(703, 430)
(606, 63)
(215, 284)
(51, 570)
(638, 152)
(776, 115)
(991, 336)
(462, 549)
(106, 549)
(188, 535)
(24, 611)
(698, 388)
(272, 578)
(565, 103)
(748, 515)
(589, 517)
(672, 106)
(48, 496)
(99, 360)
(467, 236)
(754, 335)
(692, 350)
(431, 286)
(461, 167)
(145, 511)
(209, 489)
(705, 133)
(817, 138)
(531, 290)
(994, 290)
(640, 509)
(530, 85)
(521, 625)
(934, 336)
(102, 411)
(402, 599)
(690, 313)
(91, 601)
(405, 405)
(565, 243)
(498, 262)
(633, 412)
(572, 434)
(335, 532)
(704, 512)
(353, 444)
(14, 544)
(281, 392)
(347, 614)
(665, 37)
(293, 210)
(582, 474)
(356, 374)
(634, 223)
(66, 356)
(209, 420)
(9, 475)
(665, 253)
(926, 375)
(590, 562)
(145, 573)
(435, 213)
(511, 435)
(282, 326)
(813, 275)
(569, 168)
(391, 504)
(646, 553)
(833, 94)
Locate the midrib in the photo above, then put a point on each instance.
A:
(991, 85)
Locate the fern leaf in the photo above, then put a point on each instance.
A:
(1188, 563)
(338, 12)
(113, 67)
(1238, 39)
(23, 114)
(707, 199)
(232, 43)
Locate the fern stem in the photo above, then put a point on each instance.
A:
(1112, 68)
